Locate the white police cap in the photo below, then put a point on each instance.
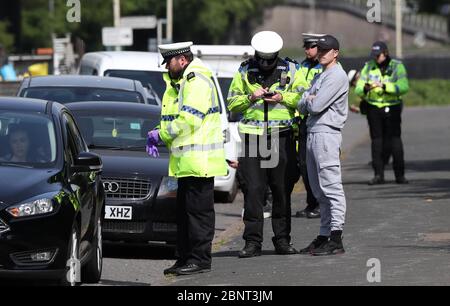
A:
(267, 44)
(170, 50)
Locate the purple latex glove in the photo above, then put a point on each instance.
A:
(152, 142)
(153, 137)
(152, 151)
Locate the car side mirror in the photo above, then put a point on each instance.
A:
(87, 162)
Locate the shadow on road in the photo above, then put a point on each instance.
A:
(236, 253)
(138, 251)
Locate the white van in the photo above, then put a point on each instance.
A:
(146, 67)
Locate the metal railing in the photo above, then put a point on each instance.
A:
(432, 26)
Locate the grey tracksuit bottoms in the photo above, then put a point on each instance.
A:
(324, 170)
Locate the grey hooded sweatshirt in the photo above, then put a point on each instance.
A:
(328, 110)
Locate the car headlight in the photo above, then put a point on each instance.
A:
(37, 207)
(168, 187)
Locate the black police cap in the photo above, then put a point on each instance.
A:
(328, 42)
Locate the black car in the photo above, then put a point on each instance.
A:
(51, 195)
(78, 88)
(140, 197)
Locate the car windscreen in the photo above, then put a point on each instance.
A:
(152, 80)
(80, 94)
(27, 140)
(115, 130)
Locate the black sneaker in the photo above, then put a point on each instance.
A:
(250, 250)
(316, 243)
(331, 247)
(377, 180)
(173, 269)
(283, 247)
(192, 268)
(401, 180)
(313, 214)
(301, 214)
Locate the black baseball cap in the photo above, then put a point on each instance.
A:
(328, 42)
(378, 47)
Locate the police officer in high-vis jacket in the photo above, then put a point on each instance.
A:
(265, 91)
(382, 84)
(191, 128)
(309, 68)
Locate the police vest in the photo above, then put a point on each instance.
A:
(280, 116)
(395, 79)
(191, 125)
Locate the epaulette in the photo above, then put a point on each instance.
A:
(291, 60)
(244, 66)
(190, 76)
(245, 63)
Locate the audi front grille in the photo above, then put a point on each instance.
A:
(119, 226)
(126, 189)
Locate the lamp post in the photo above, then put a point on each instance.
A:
(398, 28)
(169, 16)
(116, 10)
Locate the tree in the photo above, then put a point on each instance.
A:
(203, 21)
(6, 39)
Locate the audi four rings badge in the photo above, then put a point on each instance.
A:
(112, 187)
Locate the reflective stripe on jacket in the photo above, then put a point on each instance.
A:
(191, 125)
(395, 79)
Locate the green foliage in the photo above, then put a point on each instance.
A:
(212, 21)
(428, 92)
(203, 21)
(421, 93)
(6, 39)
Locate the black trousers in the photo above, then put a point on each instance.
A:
(257, 177)
(385, 133)
(195, 220)
(303, 135)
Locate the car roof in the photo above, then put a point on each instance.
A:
(82, 81)
(23, 104)
(127, 60)
(224, 60)
(122, 107)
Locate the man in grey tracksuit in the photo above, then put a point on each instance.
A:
(326, 102)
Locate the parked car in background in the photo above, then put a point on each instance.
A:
(74, 88)
(51, 195)
(140, 197)
(146, 67)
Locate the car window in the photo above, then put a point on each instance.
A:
(78, 139)
(148, 79)
(27, 139)
(117, 131)
(80, 94)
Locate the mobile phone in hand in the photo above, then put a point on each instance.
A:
(269, 94)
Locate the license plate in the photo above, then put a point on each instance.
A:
(118, 212)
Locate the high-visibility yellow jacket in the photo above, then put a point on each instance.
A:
(394, 78)
(191, 125)
(281, 116)
(308, 70)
